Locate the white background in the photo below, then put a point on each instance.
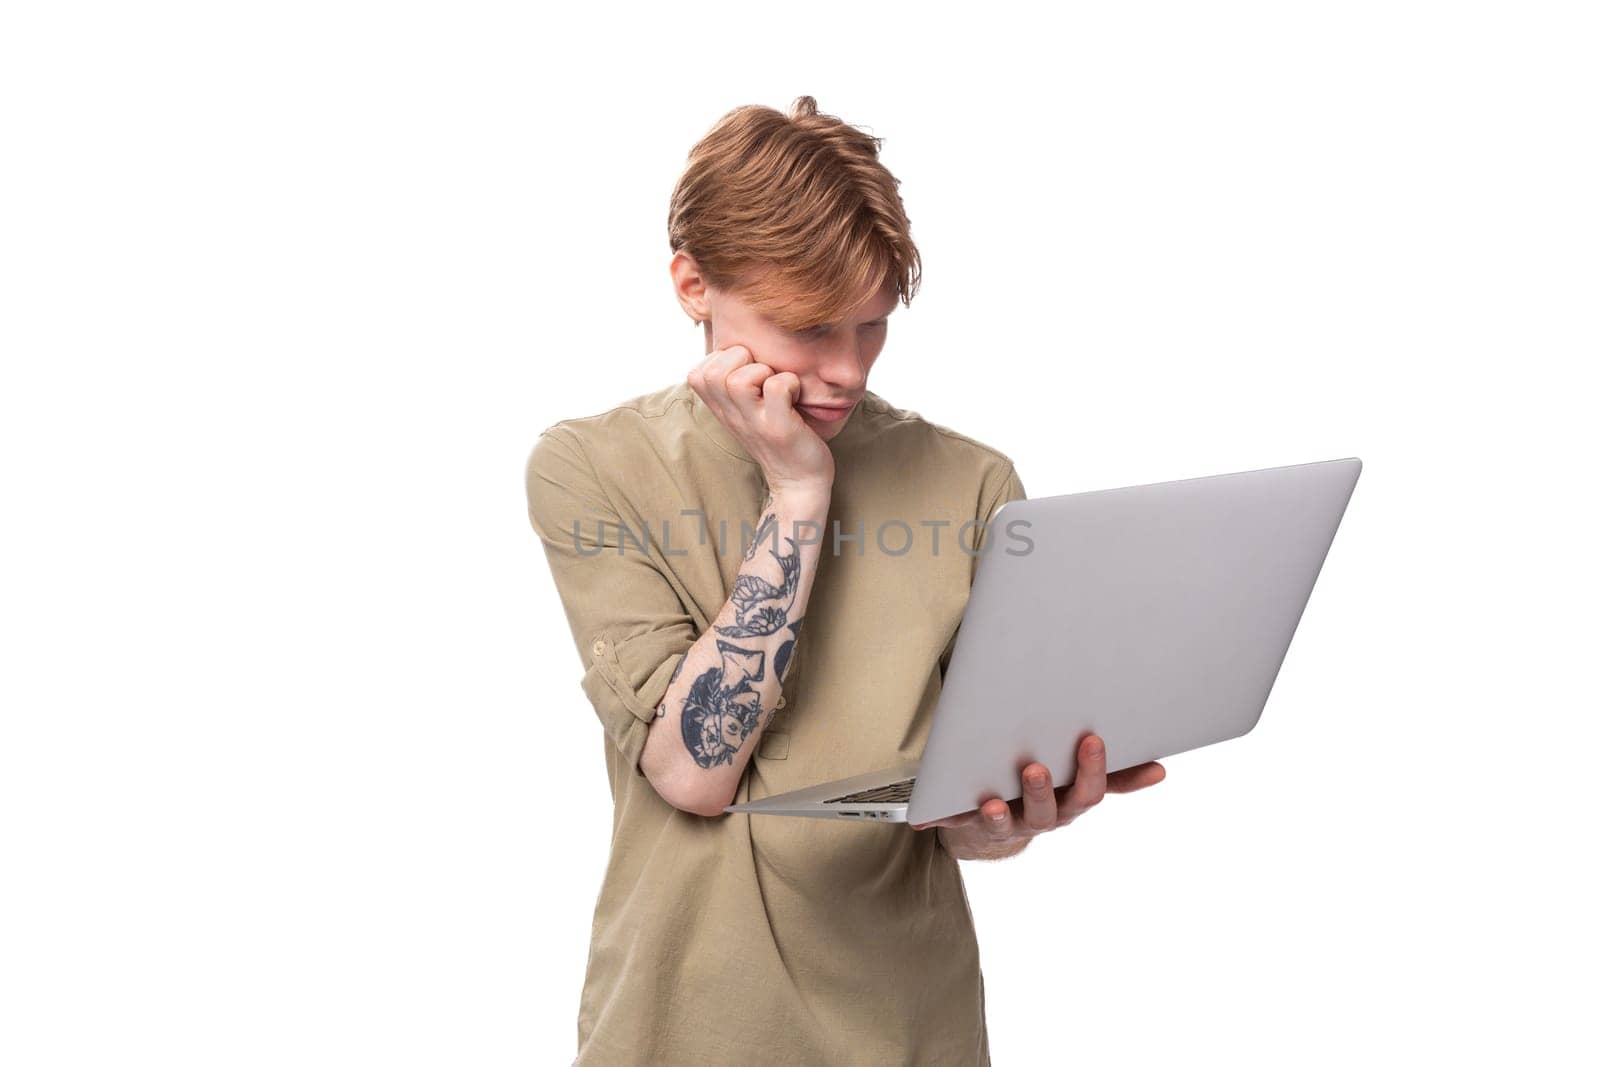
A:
(295, 766)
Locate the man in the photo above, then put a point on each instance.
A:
(732, 553)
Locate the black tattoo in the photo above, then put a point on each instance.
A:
(767, 524)
(723, 708)
(780, 662)
(762, 608)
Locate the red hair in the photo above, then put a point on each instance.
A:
(794, 213)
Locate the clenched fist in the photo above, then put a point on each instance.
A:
(757, 405)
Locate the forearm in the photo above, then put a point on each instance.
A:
(724, 691)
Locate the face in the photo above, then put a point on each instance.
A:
(831, 359)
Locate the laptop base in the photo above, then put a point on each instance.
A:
(826, 801)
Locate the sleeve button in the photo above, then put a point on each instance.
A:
(782, 703)
(599, 647)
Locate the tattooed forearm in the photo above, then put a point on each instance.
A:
(730, 690)
(722, 708)
(763, 608)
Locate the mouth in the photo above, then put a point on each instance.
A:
(826, 412)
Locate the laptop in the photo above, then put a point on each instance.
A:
(1156, 616)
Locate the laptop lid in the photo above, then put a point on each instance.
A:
(1156, 616)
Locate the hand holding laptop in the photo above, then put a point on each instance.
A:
(1153, 619)
(997, 829)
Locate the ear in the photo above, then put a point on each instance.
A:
(689, 287)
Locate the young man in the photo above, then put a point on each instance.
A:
(764, 568)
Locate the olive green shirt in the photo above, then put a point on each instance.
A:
(770, 939)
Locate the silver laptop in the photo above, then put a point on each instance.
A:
(1156, 616)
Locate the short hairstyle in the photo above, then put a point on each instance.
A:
(794, 213)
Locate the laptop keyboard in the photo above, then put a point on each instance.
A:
(894, 793)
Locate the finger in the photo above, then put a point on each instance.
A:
(745, 386)
(997, 820)
(781, 390)
(1131, 779)
(699, 373)
(715, 375)
(1038, 798)
(1089, 786)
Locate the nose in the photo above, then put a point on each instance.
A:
(844, 369)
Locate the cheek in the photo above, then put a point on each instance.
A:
(803, 369)
(784, 356)
(775, 350)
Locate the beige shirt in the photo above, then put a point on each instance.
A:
(770, 939)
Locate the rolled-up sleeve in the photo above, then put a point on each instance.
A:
(628, 621)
